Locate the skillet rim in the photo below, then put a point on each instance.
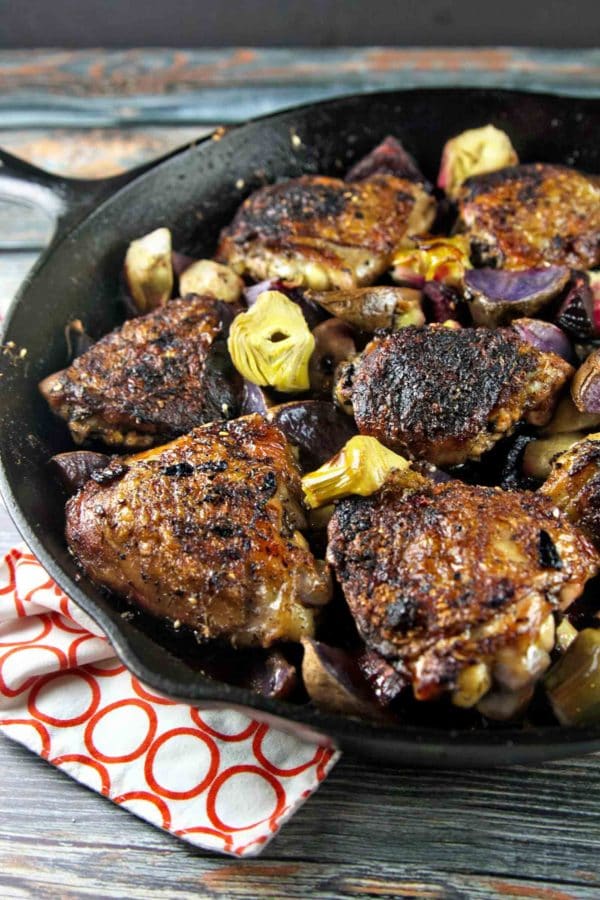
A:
(433, 746)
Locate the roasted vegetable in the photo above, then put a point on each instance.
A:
(565, 635)
(538, 455)
(474, 152)
(472, 684)
(545, 336)
(388, 158)
(209, 278)
(373, 307)
(573, 683)
(574, 484)
(585, 387)
(75, 468)
(334, 343)
(576, 314)
(568, 418)
(432, 259)
(333, 680)
(360, 467)
(443, 303)
(496, 296)
(149, 270)
(315, 428)
(271, 344)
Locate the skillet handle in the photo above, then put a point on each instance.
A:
(66, 201)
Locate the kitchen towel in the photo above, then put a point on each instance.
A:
(216, 778)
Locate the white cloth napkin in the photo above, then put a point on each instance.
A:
(215, 778)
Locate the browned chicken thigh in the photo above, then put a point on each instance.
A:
(204, 531)
(532, 215)
(323, 232)
(455, 584)
(574, 485)
(447, 396)
(157, 376)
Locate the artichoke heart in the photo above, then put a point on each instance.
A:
(361, 467)
(271, 344)
(433, 259)
(474, 152)
(149, 270)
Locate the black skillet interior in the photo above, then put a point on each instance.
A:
(195, 193)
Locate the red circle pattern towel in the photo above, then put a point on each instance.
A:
(216, 778)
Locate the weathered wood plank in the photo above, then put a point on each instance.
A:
(368, 832)
(96, 152)
(99, 88)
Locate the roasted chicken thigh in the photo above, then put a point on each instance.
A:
(454, 584)
(532, 215)
(204, 531)
(447, 395)
(157, 376)
(323, 232)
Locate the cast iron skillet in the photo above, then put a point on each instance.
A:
(195, 192)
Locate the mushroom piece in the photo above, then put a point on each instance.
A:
(538, 454)
(334, 344)
(372, 308)
(75, 468)
(568, 418)
(333, 680)
(209, 278)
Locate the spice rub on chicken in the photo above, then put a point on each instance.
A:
(204, 531)
(532, 215)
(455, 584)
(448, 395)
(323, 232)
(157, 376)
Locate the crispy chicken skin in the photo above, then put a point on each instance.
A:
(441, 577)
(323, 232)
(204, 531)
(532, 215)
(574, 485)
(448, 395)
(157, 376)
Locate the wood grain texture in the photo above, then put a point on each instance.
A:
(370, 831)
(86, 88)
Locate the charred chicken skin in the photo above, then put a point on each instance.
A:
(204, 531)
(158, 376)
(455, 584)
(532, 215)
(323, 232)
(447, 395)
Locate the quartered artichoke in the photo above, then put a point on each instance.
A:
(361, 467)
(271, 344)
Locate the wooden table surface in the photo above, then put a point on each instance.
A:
(370, 831)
